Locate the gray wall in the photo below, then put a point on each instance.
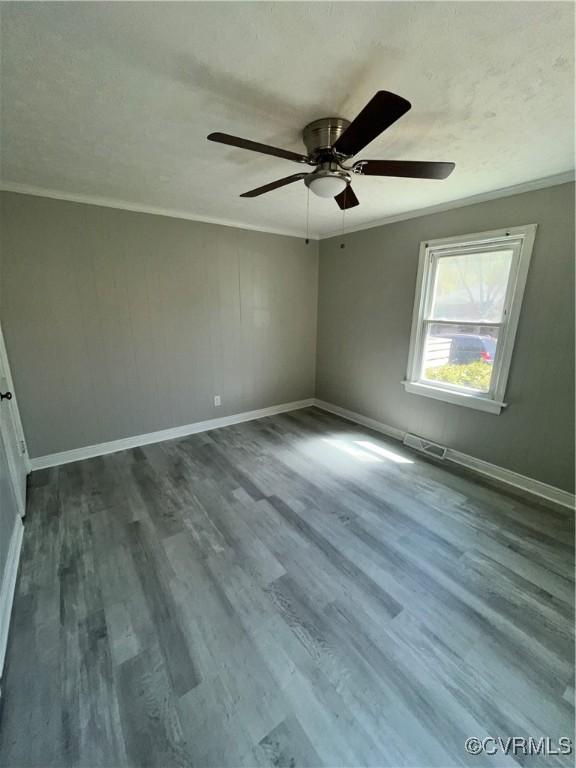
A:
(121, 323)
(366, 295)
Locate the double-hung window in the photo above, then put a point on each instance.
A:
(466, 310)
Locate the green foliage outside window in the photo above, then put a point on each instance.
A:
(474, 375)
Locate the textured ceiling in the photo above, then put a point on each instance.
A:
(114, 100)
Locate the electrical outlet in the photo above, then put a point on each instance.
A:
(217, 400)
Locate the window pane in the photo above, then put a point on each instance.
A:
(460, 355)
(471, 286)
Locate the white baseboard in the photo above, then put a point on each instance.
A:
(124, 444)
(502, 475)
(378, 426)
(506, 476)
(8, 587)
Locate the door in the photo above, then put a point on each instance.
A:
(13, 469)
(10, 540)
(11, 435)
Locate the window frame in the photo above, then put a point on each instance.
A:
(518, 239)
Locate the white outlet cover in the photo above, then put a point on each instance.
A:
(217, 400)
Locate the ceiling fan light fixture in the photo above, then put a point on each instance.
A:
(326, 185)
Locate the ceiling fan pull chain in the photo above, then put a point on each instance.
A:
(344, 214)
(308, 216)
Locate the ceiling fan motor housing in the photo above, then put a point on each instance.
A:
(321, 135)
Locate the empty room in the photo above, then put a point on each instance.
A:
(287, 403)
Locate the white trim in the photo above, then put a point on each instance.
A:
(8, 587)
(366, 421)
(506, 476)
(516, 480)
(16, 432)
(520, 240)
(109, 202)
(14, 401)
(124, 444)
(483, 197)
(124, 205)
(469, 400)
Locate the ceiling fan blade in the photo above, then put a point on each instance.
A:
(406, 168)
(274, 185)
(380, 112)
(347, 199)
(254, 146)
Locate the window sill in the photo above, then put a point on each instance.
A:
(478, 402)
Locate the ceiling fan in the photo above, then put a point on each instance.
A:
(331, 141)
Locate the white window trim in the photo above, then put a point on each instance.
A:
(493, 401)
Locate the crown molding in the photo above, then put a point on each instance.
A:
(517, 189)
(124, 205)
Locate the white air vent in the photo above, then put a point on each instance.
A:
(413, 441)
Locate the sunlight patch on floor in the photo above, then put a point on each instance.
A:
(385, 452)
(357, 453)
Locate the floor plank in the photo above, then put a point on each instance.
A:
(293, 591)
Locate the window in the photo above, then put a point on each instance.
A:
(466, 311)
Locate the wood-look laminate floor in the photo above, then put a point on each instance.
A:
(294, 591)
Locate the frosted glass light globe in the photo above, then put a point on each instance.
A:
(327, 186)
